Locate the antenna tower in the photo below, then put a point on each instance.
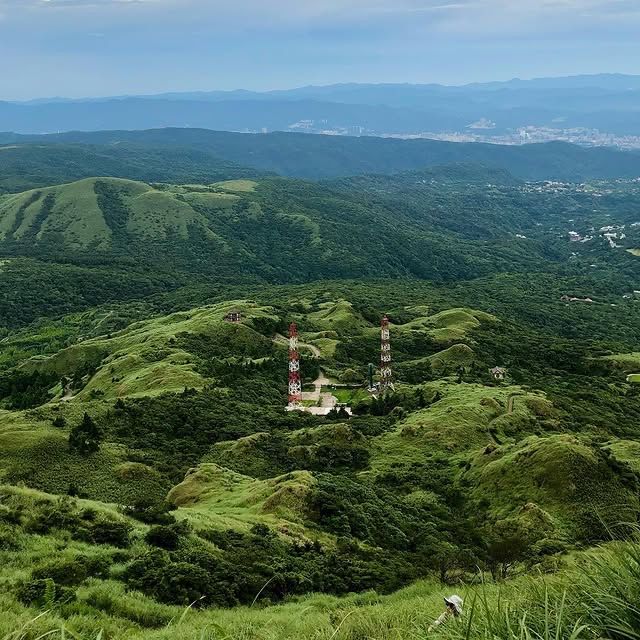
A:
(386, 375)
(295, 384)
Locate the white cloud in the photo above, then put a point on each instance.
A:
(461, 16)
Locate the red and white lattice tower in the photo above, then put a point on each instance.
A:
(295, 384)
(386, 375)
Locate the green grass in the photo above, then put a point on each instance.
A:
(75, 213)
(627, 451)
(144, 359)
(447, 326)
(346, 395)
(337, 316)
(561, 474)
(628, 362)
(594, 597)
(462, 420)
(39, 455)
(77, 216)
(211, 494)
(242, 186)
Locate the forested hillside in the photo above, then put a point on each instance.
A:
(27, 166)
(75, 241)
(319, 156)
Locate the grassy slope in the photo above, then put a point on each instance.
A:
(144, 359)
(529, 607)
(78, 217)
(235, 501)
(481, 426)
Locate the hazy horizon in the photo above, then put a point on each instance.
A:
(206, 90)
(101, 48)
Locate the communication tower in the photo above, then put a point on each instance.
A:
(295, 384)
(386, 375)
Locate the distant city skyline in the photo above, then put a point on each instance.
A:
(94, 48)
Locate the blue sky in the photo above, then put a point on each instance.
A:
(110, 47)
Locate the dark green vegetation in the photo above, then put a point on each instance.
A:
(26, 166)
(146, 459)
(74, 242)
(202, 151)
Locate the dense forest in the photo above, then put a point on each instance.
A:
(289, 154)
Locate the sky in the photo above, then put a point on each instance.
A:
(88, 48)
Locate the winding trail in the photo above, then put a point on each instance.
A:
(314, 350)
(511, 400)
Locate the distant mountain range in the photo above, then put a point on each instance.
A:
(513, 111)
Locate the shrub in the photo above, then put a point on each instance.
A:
(171, 582)
(44, 593)
(73, 571)
(150, 511)
(182, 583)
(85, 437)
(113, 532)
(8, 540)
(62, 572)
(60, 514)
(165, 537)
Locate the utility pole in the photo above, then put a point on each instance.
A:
(295, 384)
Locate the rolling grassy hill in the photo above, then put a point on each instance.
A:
(147, 460)
(99, 213)
(189, 409)
(75, 240)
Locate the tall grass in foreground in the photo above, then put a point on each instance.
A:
(600, 599)
(597, 599)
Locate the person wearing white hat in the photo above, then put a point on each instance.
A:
(453, 609)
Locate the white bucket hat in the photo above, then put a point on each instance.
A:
(456, 602)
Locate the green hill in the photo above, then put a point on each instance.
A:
(76, 241)
(28, 166)
(99, 213)
(154, 486)
(203, 485)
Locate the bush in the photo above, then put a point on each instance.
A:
(150, 512)
(171, 582)
(8, 540)
(183, 583)
(85, 437)
(62, 572)
(60, 514)
(113, 532)
(44, 593)
(74, 571)
(165, 537)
